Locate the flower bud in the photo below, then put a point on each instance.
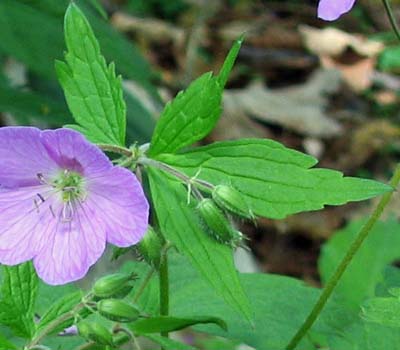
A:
(150, 247)
(118, 310)
(119, 284)
(219, 225)
(232, 200)
(96, 332)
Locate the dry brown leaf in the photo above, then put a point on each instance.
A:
(368, 139)
(300, 108)
(386, 97)
(150, 28)
(333, 42)
(358, 76)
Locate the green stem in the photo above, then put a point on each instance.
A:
(54, 324)
(333, 281)
(392, 19)
(115, 149)
(164, 287)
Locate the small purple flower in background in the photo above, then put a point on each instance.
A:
(329, 10)
(61, 200)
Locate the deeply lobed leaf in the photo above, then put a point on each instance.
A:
(193, 113)
(18, 296)
(276, 181)
(366, 269)
(93, 92)
(180, 225)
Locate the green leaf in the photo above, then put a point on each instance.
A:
(366, 270)
(389, 59)
(279, 304)
(5, 344)
(99, 8)
(170, 324)
(193, 113)
(385, 311)
(55, 342)
(48, 295)
(229, 61)
(92, 90)
(168, 344)
(365, 336)
(60, 307)
(276, 181)
(28, 106)
(43, 42)
(180, 225)
(18, 296)
(31, 36)
(140, 122)
(149, 301)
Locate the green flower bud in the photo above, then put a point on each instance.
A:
(113, 285)
(96, 332)
(232, 200)
(150, 247)
(118, 310)
(218, 224)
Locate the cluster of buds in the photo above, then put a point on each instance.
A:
(216, 213)
(109, 291)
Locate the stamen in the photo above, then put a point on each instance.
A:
(38, 202)
(41, 178)
(52, 211)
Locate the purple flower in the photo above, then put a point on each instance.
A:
(329, 10)
(61, 199)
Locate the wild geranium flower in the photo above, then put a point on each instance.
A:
(330, 10)
(61, 200)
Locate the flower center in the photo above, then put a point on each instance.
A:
(71, 185)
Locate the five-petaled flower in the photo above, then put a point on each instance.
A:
(330, 10)
(61, 200)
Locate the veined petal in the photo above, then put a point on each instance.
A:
(22, 157)
(25, 222)
(75, 244)
(121, 204)
(70, 150)
(330, 10)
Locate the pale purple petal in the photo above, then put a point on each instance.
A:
(25, 223)
(70, 150)
(330, 10)
(73, 247)
(120, 201)
(22, 157)
(64, 233)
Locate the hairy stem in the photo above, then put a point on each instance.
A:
(54, 324)
(334, 279)
(392, 19)
(115, 149)
(176, 173)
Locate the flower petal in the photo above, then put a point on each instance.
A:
(330, 10)
(22, 157)
(73, 247)
(70, 150)
(123, 207)
(25, 221)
